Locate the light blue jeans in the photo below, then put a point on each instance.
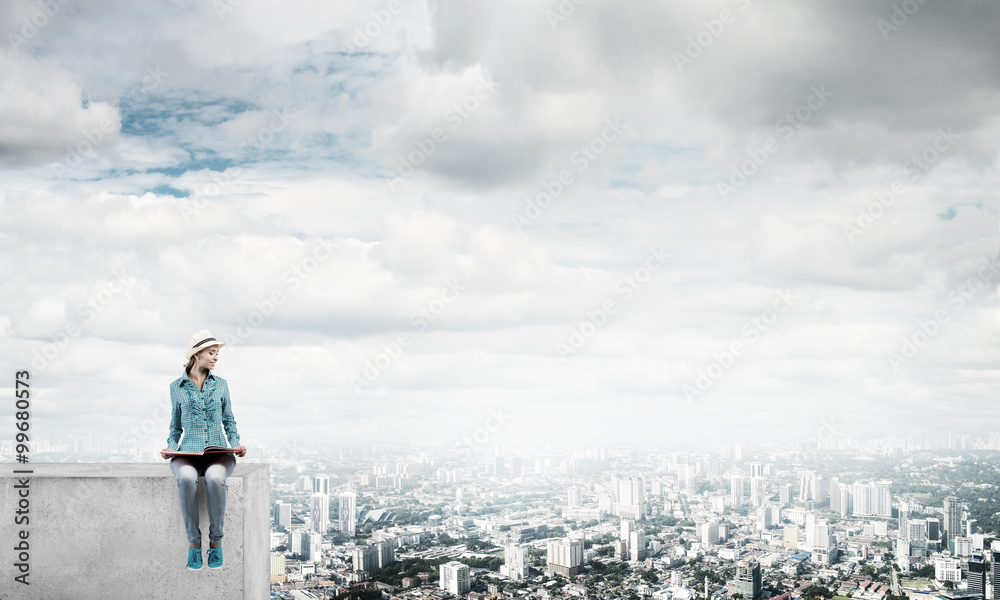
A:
(215, 468)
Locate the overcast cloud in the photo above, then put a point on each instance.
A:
(613, 220)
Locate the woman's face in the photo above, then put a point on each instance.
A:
(206, 358)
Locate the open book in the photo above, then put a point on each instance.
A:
(207, 450)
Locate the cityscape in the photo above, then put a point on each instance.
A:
(885, 519)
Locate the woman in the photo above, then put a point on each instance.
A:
(201, 407)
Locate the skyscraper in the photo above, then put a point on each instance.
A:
(573, 497)
(785, 494)
(747, 580)
(297, 540)
(321, 484)
(636, 546)
(904, 520)
(631, 501)
(319, 512)
(737, 489)
(384, 553)
(515, 557)
(565, 556)
(312, 546)
(282, 514)
(278, 568)
(365, 558)
(996, 575)
(347, 517)
(455, 578)
(627, 527)
(756, 492)
(952, 519)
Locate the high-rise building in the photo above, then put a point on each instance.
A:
(278, 568)
(709, 534)
(573, 497)
(747, 580)
(627, 527)
(296, 540)
(904, 521)
(785, 494)
(631, 498)
(996, 575)
(841, 498)
(977, 576)
(312, 546)
(305, 483)
(348, 520)
(872, 499)
(737, 489)
(685, 478)
(791, 537)
(933, 525)
(756, 469)
(962, 546)
(455, 578)
(947, 568)
(384, 553)
(824, 550)
(365, 558)
(805, 485)
(621, 549)
(565, 556)
(952, 519)
(732, 452)
(321, 484)
(636, 546)
(515, 558)
(810, 530)
(319, 512)
(606, 502)
(756, 491)
(282, 514)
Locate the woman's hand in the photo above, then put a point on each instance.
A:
(162, 455)
(242, 450)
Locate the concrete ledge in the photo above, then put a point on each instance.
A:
(102, 530)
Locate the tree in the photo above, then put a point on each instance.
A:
(817, 591)
(478, 545)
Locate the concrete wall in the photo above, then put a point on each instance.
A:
(101, 531)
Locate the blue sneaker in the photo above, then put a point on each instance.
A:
(215, 557)
(194, 558)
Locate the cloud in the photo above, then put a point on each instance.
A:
(405, 159)
(43, 117)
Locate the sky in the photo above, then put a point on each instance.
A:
(483, 222)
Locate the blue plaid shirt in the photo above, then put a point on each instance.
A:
(201, 414)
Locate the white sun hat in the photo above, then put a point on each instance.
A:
(198, 341)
